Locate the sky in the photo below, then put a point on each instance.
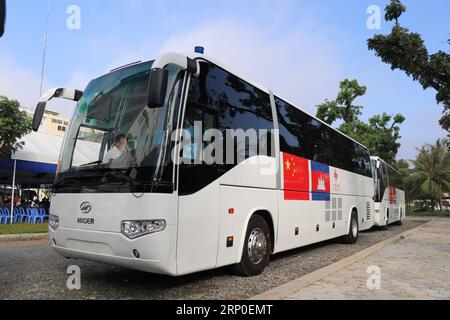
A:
(298, 49)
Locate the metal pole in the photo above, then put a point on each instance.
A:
(12, 192)
(45, 46)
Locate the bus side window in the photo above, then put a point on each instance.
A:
(244, 107)
(291, 123)
(223, 101)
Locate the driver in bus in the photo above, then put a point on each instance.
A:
(117, 150)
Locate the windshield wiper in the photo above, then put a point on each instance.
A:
(98, 162)
(122, 175)
(64, 180)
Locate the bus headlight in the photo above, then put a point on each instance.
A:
(53, 222)
(136, 229)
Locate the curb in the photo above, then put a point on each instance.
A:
(291, 288)
(23, 237)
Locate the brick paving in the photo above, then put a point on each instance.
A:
(415, 267)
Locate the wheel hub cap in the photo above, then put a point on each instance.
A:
(257, 246)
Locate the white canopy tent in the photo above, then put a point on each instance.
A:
(44, 148)
(39, 156)
(39, 147)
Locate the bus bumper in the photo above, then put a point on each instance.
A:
(157, 252)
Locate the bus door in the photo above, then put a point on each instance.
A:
(198, 201)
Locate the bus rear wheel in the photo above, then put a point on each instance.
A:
(353, 233)
(385, 227)
(257, 248)
(400, 221)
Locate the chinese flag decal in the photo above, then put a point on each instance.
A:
(392, 195)
(296, 178)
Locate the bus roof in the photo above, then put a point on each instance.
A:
(378, 158)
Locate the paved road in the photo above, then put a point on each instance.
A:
(31, 270)
(415, 267)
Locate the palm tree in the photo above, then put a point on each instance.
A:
(432, 172)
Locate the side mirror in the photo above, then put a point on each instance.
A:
(38, 115)
(68, 94)
(2, 16)
(157, 88)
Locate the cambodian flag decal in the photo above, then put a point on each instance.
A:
(320, 174)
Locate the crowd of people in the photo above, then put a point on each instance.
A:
(25, 203)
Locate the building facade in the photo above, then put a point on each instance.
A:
(52, 123)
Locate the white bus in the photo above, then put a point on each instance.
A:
(161, 214)
(389, 196)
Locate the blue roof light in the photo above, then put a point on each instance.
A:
(200, 50)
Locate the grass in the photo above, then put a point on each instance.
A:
(429, 214)
(23, 228)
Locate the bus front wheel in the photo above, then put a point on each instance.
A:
(257, 248)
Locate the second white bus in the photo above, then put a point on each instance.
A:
(389, 206)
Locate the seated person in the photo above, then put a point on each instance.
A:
(117, 150)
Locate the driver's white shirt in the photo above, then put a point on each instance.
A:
(113, 154)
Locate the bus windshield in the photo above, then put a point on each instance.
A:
(115, 142)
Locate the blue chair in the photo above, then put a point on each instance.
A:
(21, 215)
(29, 214)
(6, 216)
(1, 215)
(16, 214)
(35, 216)
(44, 214)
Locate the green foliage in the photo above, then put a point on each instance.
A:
(342, 107)
(380, 135)
(394, 10)
(405, 50)
(14, 124)
(445, 214)
(430, 178)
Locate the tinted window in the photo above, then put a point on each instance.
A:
(221, 100)
(244, 107)
(395, 178)
(291, 123)
(307, 137)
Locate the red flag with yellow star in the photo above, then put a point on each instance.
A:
(296, 177)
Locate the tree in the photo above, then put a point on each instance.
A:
(394, 10)
(409, 181)
(342, 107)
(380, 135)
(405, 50)
(14, 124)
(431, 173)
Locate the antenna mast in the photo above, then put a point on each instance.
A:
(44, 54)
